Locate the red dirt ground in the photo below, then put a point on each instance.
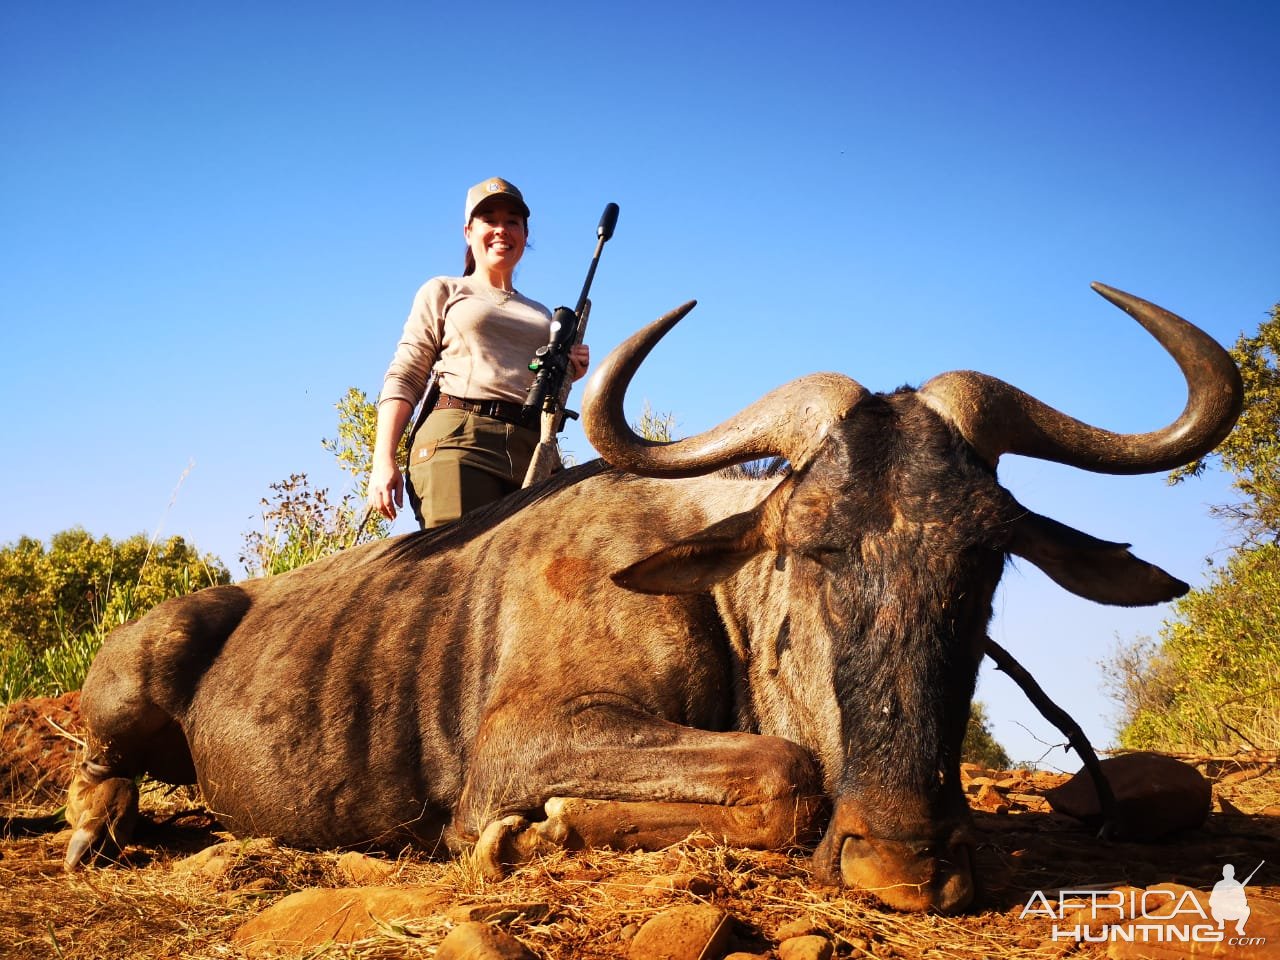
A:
(1023, 847)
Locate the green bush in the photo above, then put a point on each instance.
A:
(1213, 682)
(78, 581)
(300, 525)
(980, 746)
(59, 602)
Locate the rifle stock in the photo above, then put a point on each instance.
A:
(546, 456)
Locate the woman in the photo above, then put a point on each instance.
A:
(478, 333)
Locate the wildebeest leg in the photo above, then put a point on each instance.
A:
(617, 777)
(138, 686)
(101, 810)
(130, 736)
(575, 823)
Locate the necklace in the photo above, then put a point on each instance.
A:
(502, 297)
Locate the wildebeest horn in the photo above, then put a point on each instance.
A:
(789, 422)
(998, 418)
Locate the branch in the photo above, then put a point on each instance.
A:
(1005, 662)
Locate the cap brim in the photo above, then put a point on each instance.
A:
(494, 198)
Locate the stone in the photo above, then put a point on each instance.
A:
(216, 861)
(1155, 796)
(481, 941)
(501, 912)
(797, 928)
(683, 933)
(1261, 930)
(974, 784)
(308, 918)
(991, 800)
(810, 947)
(693, 883)
(364, 870)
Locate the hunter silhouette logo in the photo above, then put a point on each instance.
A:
(1228, 900)
(1155, 915)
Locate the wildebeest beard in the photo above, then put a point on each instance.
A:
(907, 605)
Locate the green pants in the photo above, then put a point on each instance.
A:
(459, 461)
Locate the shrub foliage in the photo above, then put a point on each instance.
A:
(980, 746)
(1212, 682)
(59, 600)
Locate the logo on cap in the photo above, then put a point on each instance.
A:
(494, 186)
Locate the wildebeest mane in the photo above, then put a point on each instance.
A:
(415, 546)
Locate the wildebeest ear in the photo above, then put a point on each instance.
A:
(1095, 569)
(700, 562)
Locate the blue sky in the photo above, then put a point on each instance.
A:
(213, 219)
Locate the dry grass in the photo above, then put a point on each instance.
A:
(598, 900)
(146, 906)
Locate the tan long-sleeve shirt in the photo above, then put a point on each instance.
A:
(479, 340)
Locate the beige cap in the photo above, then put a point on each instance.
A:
(487, 190)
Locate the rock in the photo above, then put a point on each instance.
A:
(683, 933)
(797, 928)
(693, 883)
(809, 947)
(216, 861)
(1262, 929)
(991, 800)
(364, 870)
(481, 941)
(500, 912)
(1155, 795)
(309, 918)
(974, 784)
(742, 955)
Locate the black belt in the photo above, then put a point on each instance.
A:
(503, 410)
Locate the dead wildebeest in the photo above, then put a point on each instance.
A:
(627, 655)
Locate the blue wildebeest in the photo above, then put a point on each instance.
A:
(628, 654)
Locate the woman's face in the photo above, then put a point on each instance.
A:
(496, 236)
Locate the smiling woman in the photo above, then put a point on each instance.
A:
(475, 334)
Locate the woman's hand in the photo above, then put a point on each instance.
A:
(579, 360)
(386, 488)
(386, 485)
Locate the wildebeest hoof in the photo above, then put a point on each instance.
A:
(499, 846)
(102, 812)
(514, 839)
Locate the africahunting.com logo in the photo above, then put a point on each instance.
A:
(1155, 915)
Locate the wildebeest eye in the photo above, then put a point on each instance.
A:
(824, 554)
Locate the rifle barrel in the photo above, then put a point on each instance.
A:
(608, 221)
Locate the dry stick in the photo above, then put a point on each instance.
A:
(1062, 720)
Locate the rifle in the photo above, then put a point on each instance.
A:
(550, 388)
